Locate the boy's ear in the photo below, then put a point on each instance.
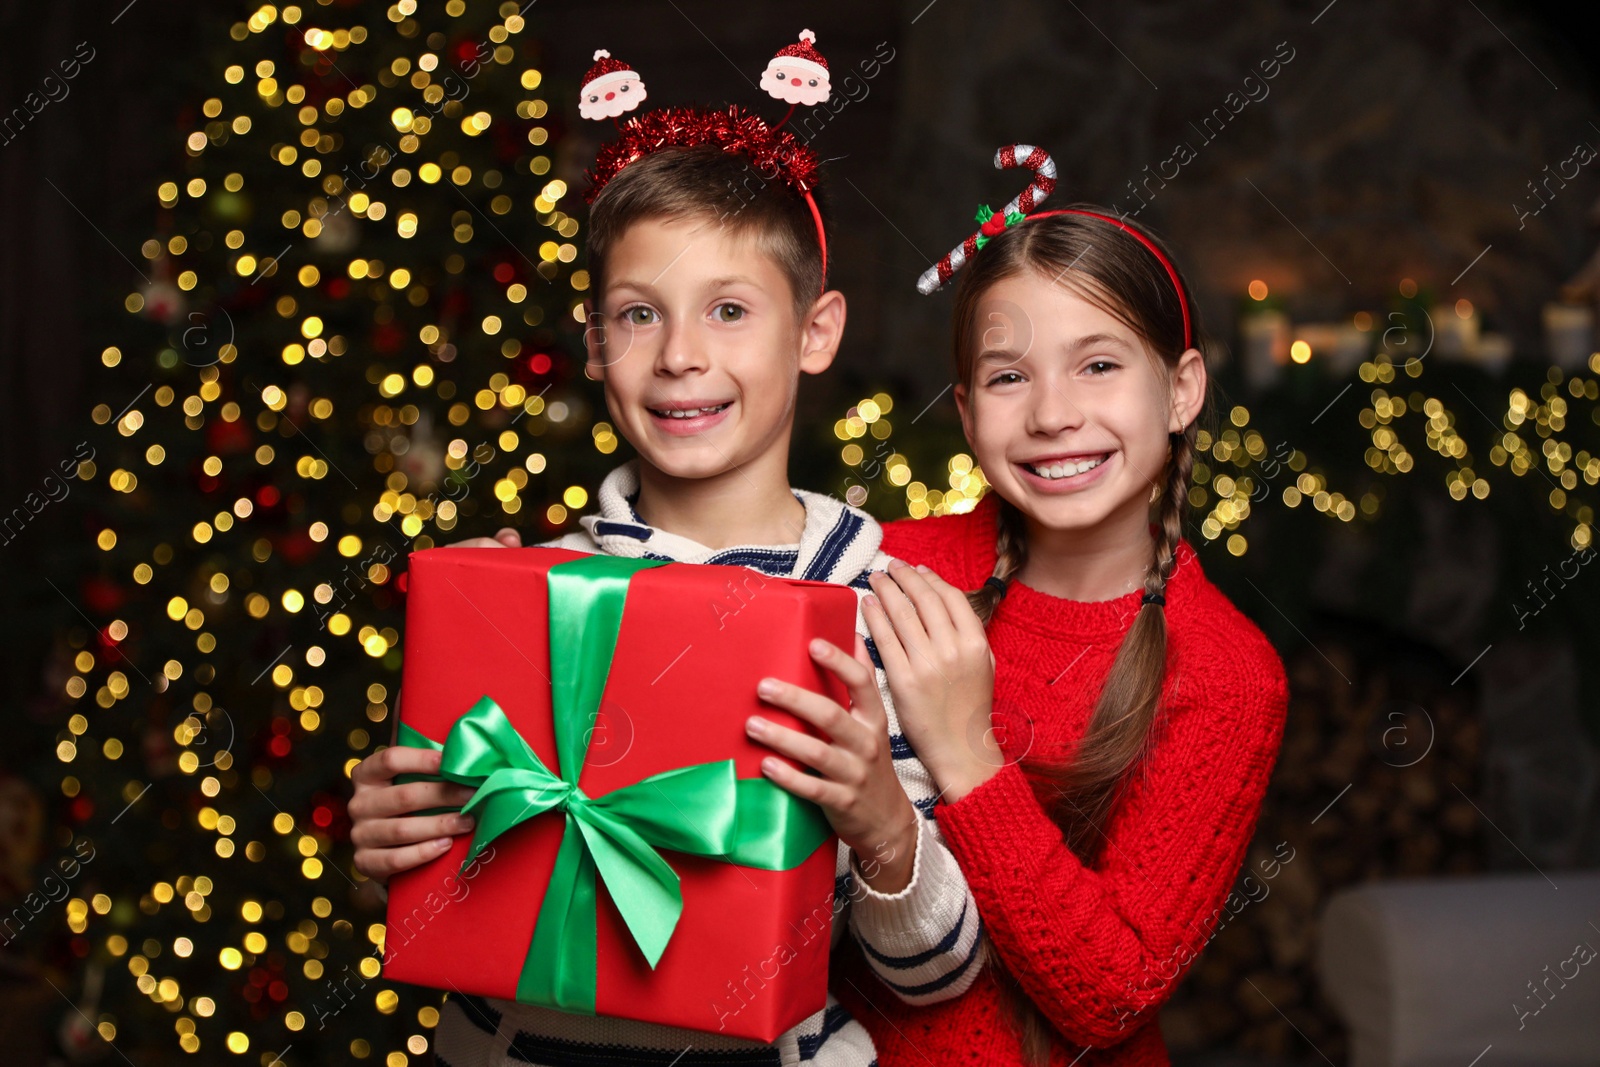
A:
(821, 332)
(1188, 390)
(594, 338)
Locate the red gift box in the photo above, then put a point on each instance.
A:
(748, 954)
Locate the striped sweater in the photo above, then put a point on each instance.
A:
(924, 943)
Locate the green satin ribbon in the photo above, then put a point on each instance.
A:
(702, 809)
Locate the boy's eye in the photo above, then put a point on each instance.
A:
(729, 312)
(639, 315)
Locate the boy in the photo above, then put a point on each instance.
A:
(706, 299)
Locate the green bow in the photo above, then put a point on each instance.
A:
(702, 809)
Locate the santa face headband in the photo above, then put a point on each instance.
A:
(1021, 209)
(796, 75)
(611, 88)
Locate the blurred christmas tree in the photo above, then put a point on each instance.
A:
(359, 335)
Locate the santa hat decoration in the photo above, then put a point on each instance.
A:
(798, 74)
(610, 88)
(604, 67)
(804, 55)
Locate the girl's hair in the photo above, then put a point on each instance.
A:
(1113, 271)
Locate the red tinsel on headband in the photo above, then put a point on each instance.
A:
(774, 153)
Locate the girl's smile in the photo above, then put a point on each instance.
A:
(1066, 473)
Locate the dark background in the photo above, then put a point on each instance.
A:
(1392, 146)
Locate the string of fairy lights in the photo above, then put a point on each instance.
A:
(413, 88)
(1235, 469)
(868, 418)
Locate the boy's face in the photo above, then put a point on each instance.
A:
(700, 350)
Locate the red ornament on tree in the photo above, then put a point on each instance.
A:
(102, 596)
(225, 438)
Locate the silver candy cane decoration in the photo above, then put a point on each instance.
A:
(1044, 183)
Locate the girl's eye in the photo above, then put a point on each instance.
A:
(1102, 366)
(729, 312)
(639, 315)
(1005, 377)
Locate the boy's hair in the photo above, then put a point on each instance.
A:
(724, 189)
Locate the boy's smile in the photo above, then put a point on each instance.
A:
(689, 416)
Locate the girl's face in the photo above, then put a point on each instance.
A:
(1068, 410)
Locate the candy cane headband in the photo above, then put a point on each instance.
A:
(1021, 208)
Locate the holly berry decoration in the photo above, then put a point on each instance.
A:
(994, 223)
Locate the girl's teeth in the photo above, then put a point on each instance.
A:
(1068, 469)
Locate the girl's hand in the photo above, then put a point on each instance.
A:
(941, 674)
(387, 837)
(506, 538)
(858, 789)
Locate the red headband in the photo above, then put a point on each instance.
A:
(1172, 272)
(1044, 183)
(775, 153)
(797, 74)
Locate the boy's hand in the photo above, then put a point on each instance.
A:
(941, 673)
(386, 836)
(858, 789)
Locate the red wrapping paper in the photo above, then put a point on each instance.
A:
(749, 956)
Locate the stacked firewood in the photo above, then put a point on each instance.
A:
(1380, 753)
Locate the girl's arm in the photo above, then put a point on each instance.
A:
(1096, 949)
(909, 905)
(925, 942)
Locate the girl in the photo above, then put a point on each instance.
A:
(1102, 806)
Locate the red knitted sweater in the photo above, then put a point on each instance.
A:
(1099, 948)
